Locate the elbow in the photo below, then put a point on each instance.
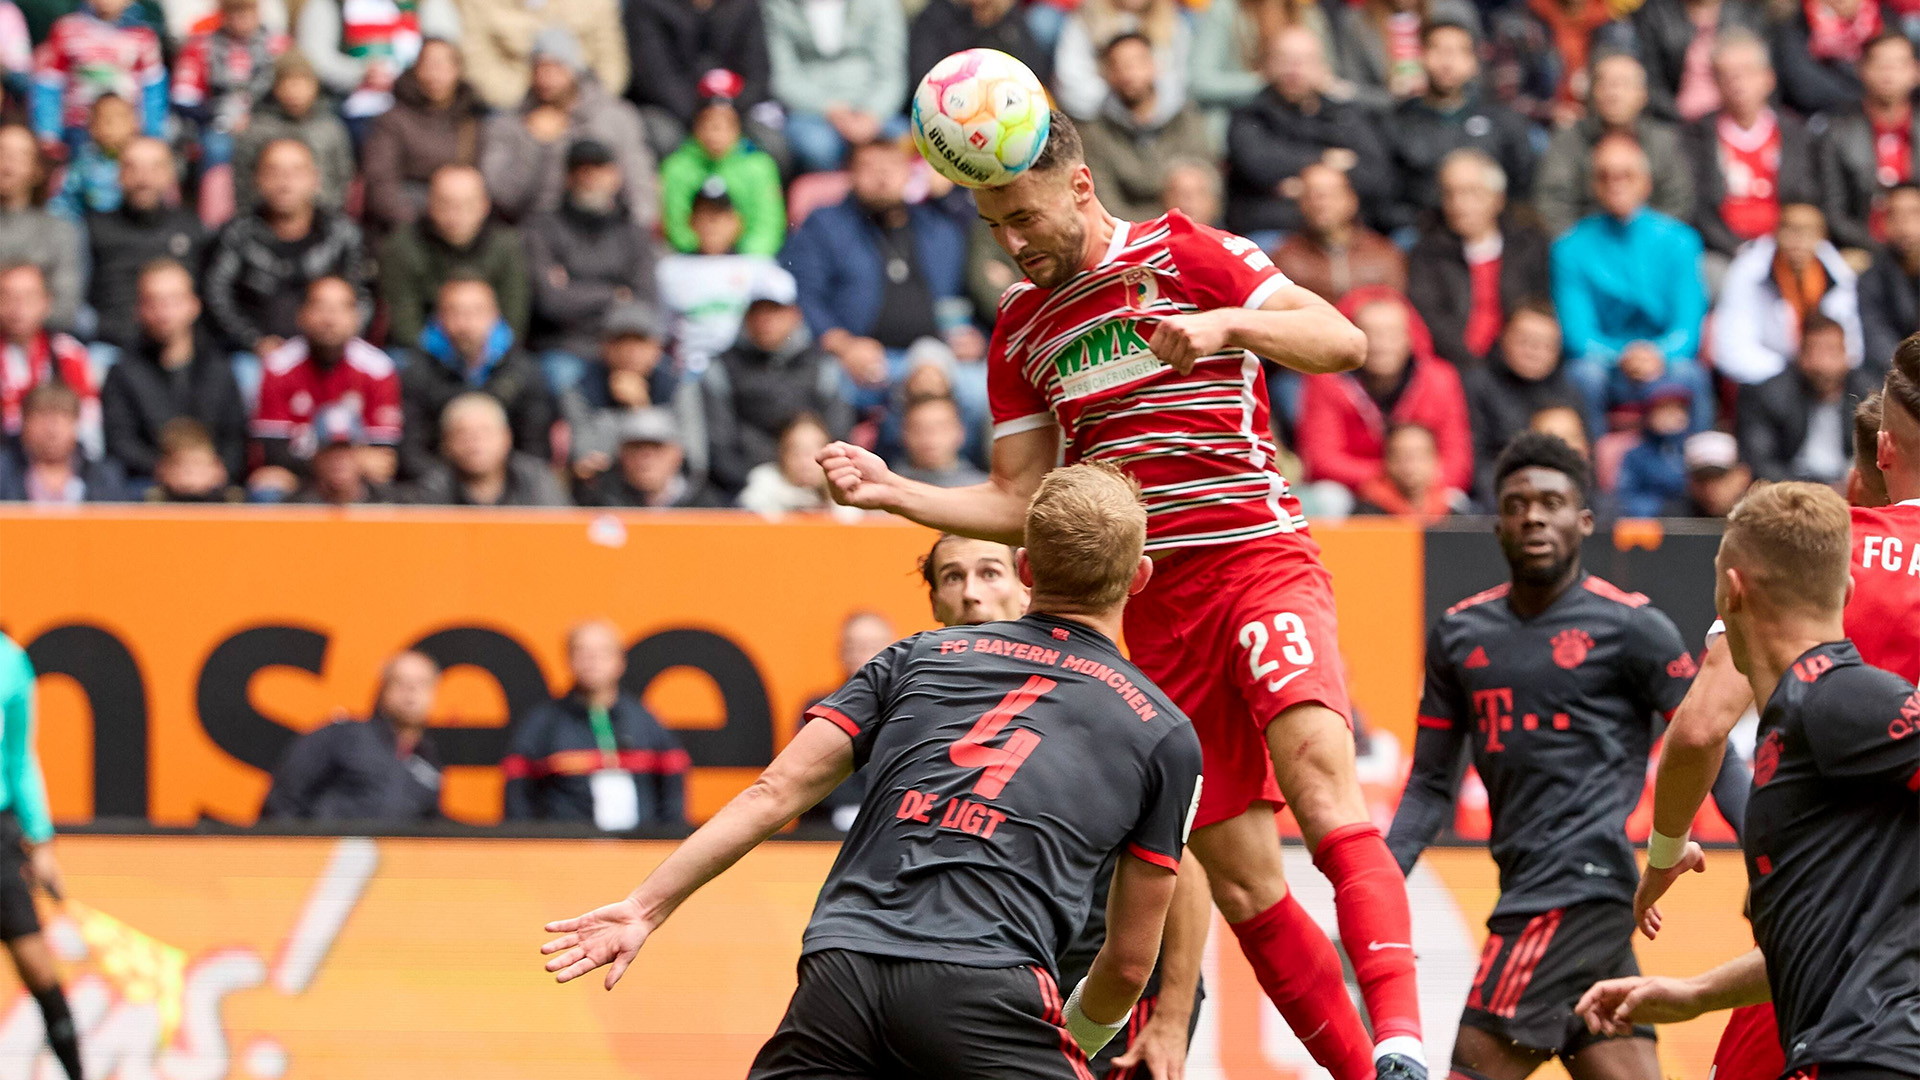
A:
(1133, 971)
(1690, 734)
(1350, 348)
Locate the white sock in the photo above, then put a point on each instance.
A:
(1405, 1045)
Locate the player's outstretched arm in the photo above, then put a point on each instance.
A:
(1136, 914)
(1161, 1045)
(1426, 805)
(1690, 760)
(1614, 1006)
(995, 510)
(1294, 328)
(813, 764)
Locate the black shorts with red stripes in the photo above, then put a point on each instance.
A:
(856, 1016)
(1534, 968)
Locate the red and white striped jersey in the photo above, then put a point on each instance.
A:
(1201, 445)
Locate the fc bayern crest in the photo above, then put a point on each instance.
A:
(1766, 759)
(1570, 648)
(1142, 289)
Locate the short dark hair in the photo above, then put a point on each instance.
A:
(1819, 322)
(1437, 23)
(51, 396)
(184, 433)
(1122, 38)
(1535, 450)
(1064, 149)
(1885, 37)
(1903, 379)
(1536, 305)
(165, 265)
(1867, 417)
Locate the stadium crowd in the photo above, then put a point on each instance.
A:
(657, 253)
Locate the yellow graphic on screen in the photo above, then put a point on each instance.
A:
(141, 968)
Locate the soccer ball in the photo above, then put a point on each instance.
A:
(980, 118)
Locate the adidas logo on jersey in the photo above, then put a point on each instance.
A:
(1477, 658)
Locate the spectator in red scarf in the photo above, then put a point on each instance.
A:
(1870, 147)
(1817, 49)
(1345, 417)
(30, 354)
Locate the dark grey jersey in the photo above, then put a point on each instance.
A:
(1833, 861)
(1005, 762)
(1559, 711)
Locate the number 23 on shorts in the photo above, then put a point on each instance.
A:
(1295, 648)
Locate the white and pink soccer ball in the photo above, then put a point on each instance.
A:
(980, 118)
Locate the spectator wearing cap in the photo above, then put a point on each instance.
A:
(596, 755)
(1344, 418)
(338, 475)
(456, 235)
(1716, 477)
(436, 120)
(705, 293)
(1333, 252)
(1476, 262)
(1617, 105)
(1872, 142)
(326, 374)
(949, 26)
(175, 369)
(650, 469)
(1627, 286)
(716, 149)
(676, 44)
(467, 347)
(360, 48)
(774, 373)
(630, 372)
(1653, 472)
(1748, 157)
(1677, 40)
(293, 109)
(506, 41)
(1451, 114)
(839, 71)
(932, 435)
(1821, 47)
(385, 768)
(1522, 375)
(1890, 289)
(1138, 134)
(1798, 425)
(29, 233)
(1770, 290)
(46, 465)
(146, 227)
(587, 258)
(477, 464)
(189, 469)
(32, 355)
(523, 151)
(1409, 481)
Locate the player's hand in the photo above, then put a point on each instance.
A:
(1614, 1006)
(1161, 1046)
(857, 477)
(609, 935)
(43, 869)
(1654, 884)
(1181, 340)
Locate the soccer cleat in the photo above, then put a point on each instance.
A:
(1399, 1067)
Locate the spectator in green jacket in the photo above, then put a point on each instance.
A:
(716, 148)
(456, 236)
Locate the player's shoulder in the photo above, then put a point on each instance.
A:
(1476, 604)
(1020, 298)
(1614, 595)
(1901, 518)
(1835, 675)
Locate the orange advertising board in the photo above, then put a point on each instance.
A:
(180, 651)
(358, 959)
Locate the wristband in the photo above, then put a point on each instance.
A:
(1663, 850)
(1089, 1034)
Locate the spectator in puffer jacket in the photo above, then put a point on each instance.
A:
(175, 368)
(1654, 472)
(436, 120)
(717, 150)
(774, 374)
(1344, 418)
(146, 227)
(468, 347)
(262, 262)
(457, 235)
(1872, 145)
(596, 755)
(587, 259)
(294, 110)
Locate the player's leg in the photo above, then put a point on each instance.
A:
(1483, 1055)
(1634, 1058)
(830, 1031)
(1291, 957)
(41, 975)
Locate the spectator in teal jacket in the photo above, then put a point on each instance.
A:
(1627, 283)
(717, 148)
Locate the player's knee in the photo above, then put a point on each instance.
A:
(1240, 893)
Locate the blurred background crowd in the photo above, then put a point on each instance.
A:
(655, 253)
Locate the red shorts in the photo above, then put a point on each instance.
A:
(1750, 1047)
(1236, 634)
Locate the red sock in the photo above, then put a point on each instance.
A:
(1370, 895)
(1300, 971)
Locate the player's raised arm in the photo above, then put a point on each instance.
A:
(813, 764)
(995, 510)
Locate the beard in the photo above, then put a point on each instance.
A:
(1063, 257)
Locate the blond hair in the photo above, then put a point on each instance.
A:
(1794, 541)
(1086, 530)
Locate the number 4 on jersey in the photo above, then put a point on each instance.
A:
(971, 751)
